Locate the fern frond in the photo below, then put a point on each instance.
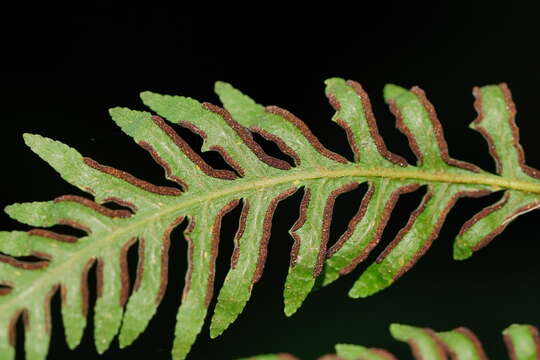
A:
(258, 182)
(522, 343)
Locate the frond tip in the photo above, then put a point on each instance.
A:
(202, 195)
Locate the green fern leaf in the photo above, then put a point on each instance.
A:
(522, 343)
(204, 195)
(271, 357)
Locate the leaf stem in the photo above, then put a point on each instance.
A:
(297, 178)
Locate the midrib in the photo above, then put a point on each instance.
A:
(404, 174)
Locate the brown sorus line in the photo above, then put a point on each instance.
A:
(263, 249)
(124, 271)
(439, 136)
(168, 172)
(372, 124)
(216, 230)
(241, 228)
(282, 145)
(189, 152)
(160, 190)
(327, 220)
(297, 225)
(306, 132)
(164, 258)
(476, 343)
(94, 206)
(53, 235)
(246, 137)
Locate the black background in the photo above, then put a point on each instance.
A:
(61, 69)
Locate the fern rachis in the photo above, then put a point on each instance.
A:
(204, 195)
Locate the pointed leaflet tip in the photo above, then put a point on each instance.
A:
(32, 139)
(292, 306)
(122, 114)
(117, 111)
(369, 283)
(336, 84)
(57, 154)
(147, 96)
(174, 108)
(214, 331)
(125, 339)
(221, 85)
(38, 143)
(392, 91)
(228, 94)
(333, 85)
(32, 213)
(333, 80)
(461, 252)
(11, 209)
(151, 99)
(242, 107)
(42, 146)
(522, 341)
(398, 330)
(130, 121)
(161, 103)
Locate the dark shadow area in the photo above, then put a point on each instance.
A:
(87, 348)
(229, 228)
(271, 148)
(345, 208)
(403, 210)
(195, 142)
(67, 230)
(395, 141)
(132, 259)
(58, 332)
(35, 260)
(19, 338)
(5, 289)
(117, 206)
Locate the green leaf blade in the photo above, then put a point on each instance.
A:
(276, 124)
(355, 352)
(410, 243)
(149, 287)
(218, 130)
(482, 228)
(75, 307)
(311, 233)
(271, 357)
(459, 344)
(496, 113)
(496, 122)
(252, 238)
(202, 236)
(354, 115)
(73, 168)
(259, 181)
(522, 342)
(424, 341)
(180, 165)
(7, 345)
(463, 344)
(108, 310)
(365, 229)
